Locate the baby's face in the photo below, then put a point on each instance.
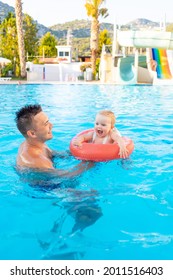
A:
(102, 125)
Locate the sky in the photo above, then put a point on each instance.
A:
(52, 12)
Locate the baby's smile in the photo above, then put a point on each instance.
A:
(99, 132)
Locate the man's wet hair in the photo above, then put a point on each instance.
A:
(24, 117)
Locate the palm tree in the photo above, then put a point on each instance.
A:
(94, 10)
(21, 47)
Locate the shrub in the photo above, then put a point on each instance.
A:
(84, 66)
(5, 69)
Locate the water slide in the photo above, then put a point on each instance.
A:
(160, 44)
(161, 58)
(145, 39)
(126, 72)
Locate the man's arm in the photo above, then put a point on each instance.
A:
(41, 163)
(74, 171)
(62, 154)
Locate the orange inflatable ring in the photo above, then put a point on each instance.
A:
(98, 152)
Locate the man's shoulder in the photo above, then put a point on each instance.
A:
(34, 157)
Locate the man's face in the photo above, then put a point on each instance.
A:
(42, 127)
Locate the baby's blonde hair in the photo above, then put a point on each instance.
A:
(109, 114)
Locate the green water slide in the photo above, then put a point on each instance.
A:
(127, 71)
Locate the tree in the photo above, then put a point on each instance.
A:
(30, 36)
(9, 40)
(169, 28)
(94, 11)
(8, 37)
(104, 39)
(47, 45)
(21, 46)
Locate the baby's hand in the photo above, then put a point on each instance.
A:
(78, 141)
(124, 153)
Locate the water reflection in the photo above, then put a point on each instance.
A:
(82, 206)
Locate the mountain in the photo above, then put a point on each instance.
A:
(5, 9)
(142, 23)
(81, 28)
(78, 28)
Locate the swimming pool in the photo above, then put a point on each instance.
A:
(118, 210)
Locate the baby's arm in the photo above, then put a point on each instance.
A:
(77, 141)
(116, 137)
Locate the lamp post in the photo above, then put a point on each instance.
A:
(14, 66)
(43, 54)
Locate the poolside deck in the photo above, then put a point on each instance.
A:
(20, 82)
(24, 82)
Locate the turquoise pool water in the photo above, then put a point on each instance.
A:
(118, 210)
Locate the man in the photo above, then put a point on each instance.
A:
(35, 126)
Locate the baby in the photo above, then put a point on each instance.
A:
(104, 132)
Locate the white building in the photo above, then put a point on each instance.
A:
(64, 54)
